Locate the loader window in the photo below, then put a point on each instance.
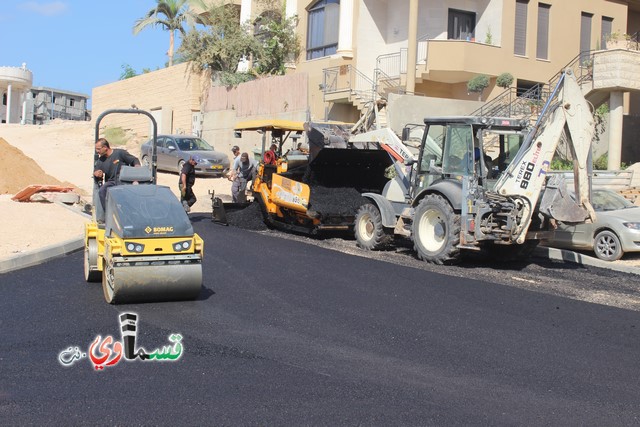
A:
(458, 150)
(430, 165)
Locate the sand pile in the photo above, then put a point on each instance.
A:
(20, 171)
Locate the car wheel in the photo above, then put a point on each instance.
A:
(607, 246)
(145, 162)
(180, 165)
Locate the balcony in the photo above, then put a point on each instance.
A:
(457, 61)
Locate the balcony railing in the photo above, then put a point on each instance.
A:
(346, 78)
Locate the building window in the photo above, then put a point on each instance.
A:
(542, 46)
(520, 33)
(72, 102)
(586, 20)
(322, 28)
(4, 99)
(462, 25)
(605, 31)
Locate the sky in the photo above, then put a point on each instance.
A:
(76, 45)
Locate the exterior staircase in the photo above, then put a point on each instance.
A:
(345, 84)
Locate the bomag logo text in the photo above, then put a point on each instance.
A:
(159, 230)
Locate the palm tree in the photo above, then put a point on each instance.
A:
(170, 15)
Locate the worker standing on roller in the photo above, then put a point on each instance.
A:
(187, 180)
(107, 167)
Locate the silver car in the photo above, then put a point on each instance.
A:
(615, 231)
(175, 150)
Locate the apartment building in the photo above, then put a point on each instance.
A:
(359, 50)
(49, 103)
(423, 53)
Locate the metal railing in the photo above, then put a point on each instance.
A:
(346, 78)
(385, 84)
(423, 49)
(513, 102)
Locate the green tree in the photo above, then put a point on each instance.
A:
(222, 44)
(478, 84)
(277, 35)
(171, 16)
(127, 72)
(504, 80)
(268, 44)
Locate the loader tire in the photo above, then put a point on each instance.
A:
(436, 231)
(91, 272)
(371, 235)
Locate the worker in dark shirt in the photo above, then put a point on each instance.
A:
(107, 167)
(187, 179)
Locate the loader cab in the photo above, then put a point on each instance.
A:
(477, 148)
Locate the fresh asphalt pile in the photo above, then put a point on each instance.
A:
(249, 218)
(335, 201)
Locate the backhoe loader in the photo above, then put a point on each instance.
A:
(448, 200)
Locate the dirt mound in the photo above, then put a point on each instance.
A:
(20, 171)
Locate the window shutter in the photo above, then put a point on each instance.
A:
(542, 47)
(520, 33)
(605, 31)
(585, 36)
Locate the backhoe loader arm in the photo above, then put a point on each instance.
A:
(566, 110)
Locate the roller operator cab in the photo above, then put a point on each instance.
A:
(450, 195)
(142, 246)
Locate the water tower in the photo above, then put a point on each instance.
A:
(15, 86)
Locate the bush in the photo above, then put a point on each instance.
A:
(116, 136)
(504, 80)
(559, 164)
(478, 83)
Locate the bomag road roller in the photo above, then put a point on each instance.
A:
(142, 244)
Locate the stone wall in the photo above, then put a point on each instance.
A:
(279, 97)
(172, 94)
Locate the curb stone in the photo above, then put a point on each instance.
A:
(577, 258)
(38, 256)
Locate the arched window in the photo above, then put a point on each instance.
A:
(4, 99)
(322, 28)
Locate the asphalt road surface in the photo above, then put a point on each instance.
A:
(287, 331)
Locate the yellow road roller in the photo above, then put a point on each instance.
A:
(142, 244)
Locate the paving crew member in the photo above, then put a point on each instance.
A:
(270, 156)
(187, 179)
(107, 167)
(244, 172)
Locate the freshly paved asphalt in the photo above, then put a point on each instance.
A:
(290, 333)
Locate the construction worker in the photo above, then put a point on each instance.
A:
(187, 180)
(107, 167)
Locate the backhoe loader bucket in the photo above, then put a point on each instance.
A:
(362, 169)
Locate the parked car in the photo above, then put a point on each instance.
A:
(615, 231)
(175, 150)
